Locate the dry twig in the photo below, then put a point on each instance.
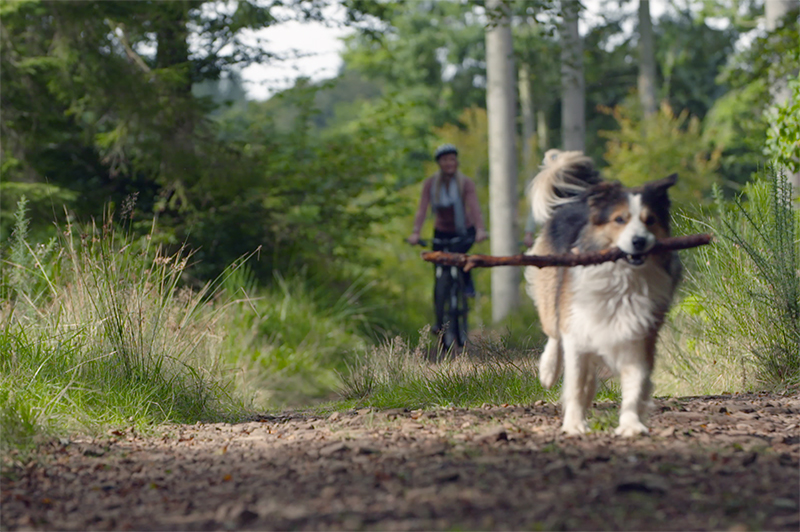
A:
(467, 262)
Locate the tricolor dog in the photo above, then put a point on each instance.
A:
(607, 313)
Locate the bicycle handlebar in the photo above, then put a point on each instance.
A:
(446, 241)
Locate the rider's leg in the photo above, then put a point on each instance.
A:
(469, 285)
(438, 307)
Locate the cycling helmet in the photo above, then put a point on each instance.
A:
(444, 149)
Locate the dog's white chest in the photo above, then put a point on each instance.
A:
(613, 303)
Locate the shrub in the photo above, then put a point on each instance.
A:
(642, 150)
(743, 292)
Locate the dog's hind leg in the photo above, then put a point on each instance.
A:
(573, 390)
(550, 363)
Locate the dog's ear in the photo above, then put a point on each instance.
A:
(660, 186)
(601, 199)
(655, 192)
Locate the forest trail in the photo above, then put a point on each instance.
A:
(714, 462)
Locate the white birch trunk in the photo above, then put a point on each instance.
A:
(573, 105)
(774, 11)
(528, 121)
(501, 111)
(647, 60)
(541, 131)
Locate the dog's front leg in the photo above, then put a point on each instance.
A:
(572, 395)
(636, 387)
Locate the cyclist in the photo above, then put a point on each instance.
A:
(454, 204)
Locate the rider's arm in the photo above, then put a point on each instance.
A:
(472, 206)
(424, 202)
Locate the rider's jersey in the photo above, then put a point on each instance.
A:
(444, 217)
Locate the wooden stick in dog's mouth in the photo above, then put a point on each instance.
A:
(467, 262)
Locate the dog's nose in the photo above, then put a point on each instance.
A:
(638, 243)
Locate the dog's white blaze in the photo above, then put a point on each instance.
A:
(635, 228)
(615, 304)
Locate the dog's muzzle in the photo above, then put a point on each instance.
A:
(635, 259)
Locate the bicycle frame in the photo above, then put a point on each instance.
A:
(450, 301)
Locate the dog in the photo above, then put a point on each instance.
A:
(607, 313)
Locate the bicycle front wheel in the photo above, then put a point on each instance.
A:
(462, 312)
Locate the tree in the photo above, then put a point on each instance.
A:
(528, 118)
(776, 13)
(647, 60)
(573, 104)
(537, 54)
(433, 49)
(501, 110)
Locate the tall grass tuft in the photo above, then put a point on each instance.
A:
(292, 336)
(743, 301)
(103, 333)
(494, 371)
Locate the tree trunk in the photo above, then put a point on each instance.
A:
(774, 11)
(173, 46)
(528, 121)
(647, 60)
(501, 107)
(179, 164)
(573, 104)
(541, 131)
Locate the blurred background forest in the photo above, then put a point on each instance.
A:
(131, 119)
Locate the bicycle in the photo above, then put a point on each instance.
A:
(450, 300)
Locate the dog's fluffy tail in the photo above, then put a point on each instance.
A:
(563, 176)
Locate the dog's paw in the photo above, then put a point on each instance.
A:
(548, 375)
(631, 429)
(574, 429)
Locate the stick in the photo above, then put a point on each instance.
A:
(467, 262)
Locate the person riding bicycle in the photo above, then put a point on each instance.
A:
(454, 204)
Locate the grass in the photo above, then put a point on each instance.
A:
(292, 337)
(395, 375)
(97, 330)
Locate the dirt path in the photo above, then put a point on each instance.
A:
(723, 463)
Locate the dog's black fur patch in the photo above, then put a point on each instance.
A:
(566, 224)
(655, 196)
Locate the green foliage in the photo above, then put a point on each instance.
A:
(743, 291)
(783, 135)
(20, 280)
(107, 118)
(433, 48)
(739, 119)
(42, 202)
(310, 198)
(738, 127)
(691, 54)
(642, 150)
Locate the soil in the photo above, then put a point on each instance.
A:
(715, 462)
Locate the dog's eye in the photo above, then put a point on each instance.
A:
(650, 220)
(619, 220)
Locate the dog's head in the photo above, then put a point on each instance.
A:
(630, 219)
